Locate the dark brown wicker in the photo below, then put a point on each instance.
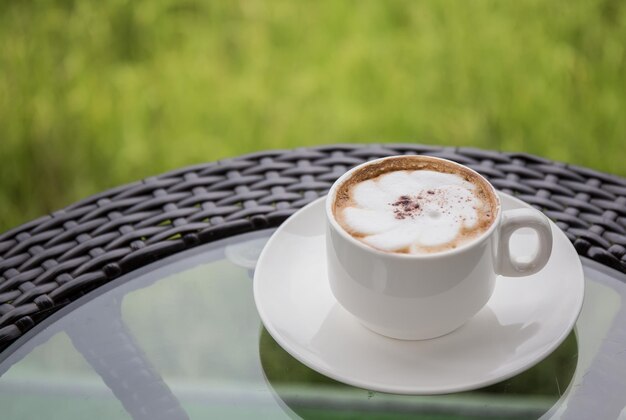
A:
(47, 263)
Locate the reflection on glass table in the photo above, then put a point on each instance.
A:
(182, 339)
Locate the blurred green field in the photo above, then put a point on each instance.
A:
(95, 94)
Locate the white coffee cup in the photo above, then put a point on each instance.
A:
(414, 297)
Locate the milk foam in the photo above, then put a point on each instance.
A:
(412, 210)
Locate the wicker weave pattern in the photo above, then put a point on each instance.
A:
(51, 261)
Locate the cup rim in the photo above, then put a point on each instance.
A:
(330, 201)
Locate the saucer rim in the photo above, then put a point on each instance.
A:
(416, 390)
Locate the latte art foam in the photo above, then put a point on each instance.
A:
(415, 211)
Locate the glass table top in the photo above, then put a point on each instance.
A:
(182, 339)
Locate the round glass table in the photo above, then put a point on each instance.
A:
(180, 338)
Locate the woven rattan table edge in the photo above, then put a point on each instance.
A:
(27, 302)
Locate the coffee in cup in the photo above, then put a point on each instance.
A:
(415, 206)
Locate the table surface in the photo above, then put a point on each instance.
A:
(181, 338)
(130, 304)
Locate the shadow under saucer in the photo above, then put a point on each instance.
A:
(305, 393)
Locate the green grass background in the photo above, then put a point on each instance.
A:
(95, 94)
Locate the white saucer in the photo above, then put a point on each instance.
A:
(525, 320)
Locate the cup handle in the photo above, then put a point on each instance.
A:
(507, 265)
